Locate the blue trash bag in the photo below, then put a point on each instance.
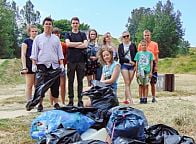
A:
(126, 122)
(49, 121)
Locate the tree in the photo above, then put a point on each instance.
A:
(6, 30)
(165, 25)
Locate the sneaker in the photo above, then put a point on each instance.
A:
(28, 106)
(154, 100)
(145, 100)
(141, 100)
(40, 108)
(80, 104)
(70, 103)
(126, 102)
(57, 106)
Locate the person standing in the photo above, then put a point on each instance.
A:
(107, 42)
(144, 64)
(92, 63)
(26, 61)
(127, 51)
(47, 58)
(76, 58)
(57, 32)
(152, 47)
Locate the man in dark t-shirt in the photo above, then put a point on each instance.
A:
(77, 44)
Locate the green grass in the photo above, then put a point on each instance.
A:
(182, 64)
(10, 72)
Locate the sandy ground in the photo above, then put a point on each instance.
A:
(12, 110)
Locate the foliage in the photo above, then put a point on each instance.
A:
(165, 25)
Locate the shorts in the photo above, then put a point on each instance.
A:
(29, 66)
(128, 67)
(143, 80)
(154, 75)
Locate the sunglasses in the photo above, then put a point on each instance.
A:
(126, 36)
(146, 35)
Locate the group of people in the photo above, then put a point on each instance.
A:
(82, 55)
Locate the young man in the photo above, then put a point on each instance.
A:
(76, 57)
(152, 47)
(47, 57)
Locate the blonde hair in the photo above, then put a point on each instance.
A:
(29, 27)
(105, 36)
(100, 54)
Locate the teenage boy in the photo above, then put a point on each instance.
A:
(76, 58)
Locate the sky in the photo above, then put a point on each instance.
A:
(111, 15)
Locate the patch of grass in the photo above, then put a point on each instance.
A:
(10, 72)
(16, 130)
(181, 64)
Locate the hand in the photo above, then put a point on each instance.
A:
(24, 71)
(62, 67)
(34, 67)
(133, 63)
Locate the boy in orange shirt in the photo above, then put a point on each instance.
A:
(152, 47)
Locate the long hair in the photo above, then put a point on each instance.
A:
(100, 54)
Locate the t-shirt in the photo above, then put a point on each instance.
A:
(75, 55)
(152, 47)
(29, 43)
(107, 72)
(64, 47)
(144, 59)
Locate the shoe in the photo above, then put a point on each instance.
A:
(154, 100)
(80, 104)
(70, 103)
(40, 108)
(57, 106)
(145, 100)
(28, 106)
(126, 102)
(141, 100)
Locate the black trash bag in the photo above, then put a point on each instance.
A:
(157, 134)
(61, 136)
(102, 96)
(127, 122)
(121, 140)
(186, 140)
(90, 142)
(43, 85)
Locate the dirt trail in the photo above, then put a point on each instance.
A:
(12, 109)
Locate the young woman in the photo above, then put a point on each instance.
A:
(127, 51)
(92, 49)
(26, 61)
(107, 41)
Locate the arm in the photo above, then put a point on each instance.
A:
(121, 55)
(114, 76)
(72, 44)
(151, 67)
(136, 67)
(23, 55)
(83, 45)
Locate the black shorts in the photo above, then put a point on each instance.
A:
(29, 66)
(154, 75)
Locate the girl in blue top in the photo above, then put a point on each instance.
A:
(111, 68)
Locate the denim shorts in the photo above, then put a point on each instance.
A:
(128, 67)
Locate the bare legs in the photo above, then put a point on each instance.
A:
(128, 77)
(30, 81)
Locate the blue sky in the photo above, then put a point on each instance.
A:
(111, 15)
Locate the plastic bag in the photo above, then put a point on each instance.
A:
(121, 140)
(127, 122)
(49, 121)
(157, 134)
(102, 96)
(42, 85)
(61, 136)
(90, 142)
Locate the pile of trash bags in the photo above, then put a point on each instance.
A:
(104, 122)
